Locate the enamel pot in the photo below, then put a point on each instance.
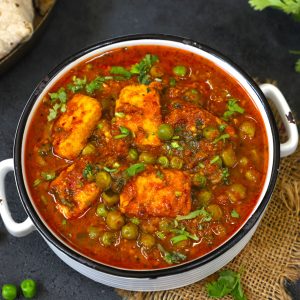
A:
(175, 276)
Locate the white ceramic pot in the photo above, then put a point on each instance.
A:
(176, 276)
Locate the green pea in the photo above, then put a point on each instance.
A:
(163, 160)
(199, 180)
(93, 232)
(176, 162)
(110, 198)
(108, 238)
(147, 158)
(192, 95)
(247, 128)
(9, 292)
(228, 157)
(101, 210)
(166, 225)
(165, 132)
(103, 180)
(215, 211)
(204, 197)
(130, 231)
(133, 154)
(28, 287)
(210, 132)
(179, 70)
(147, 240)
(115, 220)
(88, 149)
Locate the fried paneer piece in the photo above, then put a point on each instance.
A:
(193, 117)
(140, 109)
(150, 195)
(72, 193)
(73, 128)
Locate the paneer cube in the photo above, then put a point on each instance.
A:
(73, 128)
(150, 194)
(72, 193)
(194, 118)
(138, 107)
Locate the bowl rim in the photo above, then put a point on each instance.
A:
(172, 270)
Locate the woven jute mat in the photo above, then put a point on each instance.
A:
(273, 254)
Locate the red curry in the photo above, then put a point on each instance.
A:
(146, 157)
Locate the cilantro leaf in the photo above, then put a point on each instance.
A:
(48, 175)
(87, 171)
(222, 137)
(182, 236)
(225, 175)
(60, 95)
(290, 7)
(120, 71)
(200, 212)
(77, 85)
(229, 282)
(234, 214)
(124, 133)
(59, 99)
(135, 169)
(171, 257)
(232, 107)
(143, 67)
(94, 85)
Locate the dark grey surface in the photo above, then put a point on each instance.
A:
(258, 42)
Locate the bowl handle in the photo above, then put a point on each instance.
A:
(273, 94)
(16, 229)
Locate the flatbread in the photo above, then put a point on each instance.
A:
(16, 24)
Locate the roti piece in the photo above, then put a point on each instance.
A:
(16, 24)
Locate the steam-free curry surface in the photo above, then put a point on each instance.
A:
(145, 157)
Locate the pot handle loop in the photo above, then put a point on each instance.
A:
(15, 229)
(274, 94)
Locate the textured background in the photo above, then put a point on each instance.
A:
(257, 41)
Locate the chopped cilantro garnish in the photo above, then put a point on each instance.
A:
(200, 212)
(37, 182)
(60, 95)
(135, 169)
(222, 127)
(222, 137)
(232, 107)
(234, 214)
(77, 85)
(182, 235)
(59, 99)
(48, 175)
(94, 85)
(109, 170)
(215, 159)
(124, 133)
(117, 70)
(135, 220)
(171, 257)
(176, 145)
(160, 235)
(143, 67)
(87, 171)
(225, 175)
(229, 282)
(172, 82)
(159, 174)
